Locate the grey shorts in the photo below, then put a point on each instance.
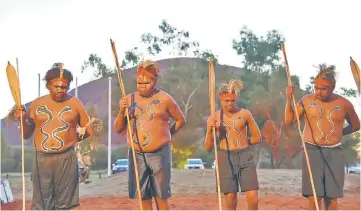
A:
(154, 170)
(237, 169)
(328, 171)
(55, 181)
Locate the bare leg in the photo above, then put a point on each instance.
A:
(231, 201)
(147, 204)
(311, 203)
(252, 199)
(162, 204)
(331, 204)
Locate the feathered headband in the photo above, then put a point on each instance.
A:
(326, 76)
(61, 71)
(233, 88)
(148, 68)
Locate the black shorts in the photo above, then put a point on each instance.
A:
(328, 171)
(237, 168)
(154, 170)
(55, 181)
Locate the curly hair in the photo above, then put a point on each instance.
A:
(327, 72)
(54, 72)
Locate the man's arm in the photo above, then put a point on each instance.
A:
(120, 122)
(28, 120)
(84, 120)
(253, 129)
(29, 127)
(352, 120)
(208, 142)
(175, 112)
(291, 117)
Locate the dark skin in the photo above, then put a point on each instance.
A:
(324, 96)
(230, 109)
(146, 86)
(58, 91)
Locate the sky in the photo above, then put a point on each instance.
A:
(42, 32)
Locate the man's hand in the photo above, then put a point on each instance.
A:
(123, 104)
(212, 123)
(19, 113)
(290, 90)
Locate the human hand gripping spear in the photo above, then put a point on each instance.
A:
(212, 87)
(128, 120)
(299, 127)
(14, 86)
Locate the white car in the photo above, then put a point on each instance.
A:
(120, 165)
(195, 163)
(354, 169)
(214, 164)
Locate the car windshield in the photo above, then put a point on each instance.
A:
(194, 162)
(121, 162)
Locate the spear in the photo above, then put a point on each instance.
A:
(299, 126)
(355, 72)
(122, 88)
(14, 85)
(212, 87)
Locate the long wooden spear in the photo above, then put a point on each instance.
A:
(14, 85)
(299, 126)
(212, 103)
(122, 88)
(355, 72)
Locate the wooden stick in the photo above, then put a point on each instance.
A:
(355, 72)
(122, 87)
(22, 144)
(299, 127)
(212, 86)
(14, 86)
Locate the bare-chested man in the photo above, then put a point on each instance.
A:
(325, 113)
(54, 119)
(150, 111)
(236, 161)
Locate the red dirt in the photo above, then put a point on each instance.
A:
(196, 190)
(200, 202)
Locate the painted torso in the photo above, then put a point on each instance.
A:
(232, 132)
(324, 121)
(152, 122)
(55, 124)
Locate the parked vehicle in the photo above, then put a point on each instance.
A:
(354, 169)
(83, 172)
(120, 165)
(195, 163)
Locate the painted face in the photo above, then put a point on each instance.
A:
(58, 89)
(228, 103)
(145, 85)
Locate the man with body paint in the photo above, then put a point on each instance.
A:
(150, 110)
(55, 120)
(324, 113)
(236, 163)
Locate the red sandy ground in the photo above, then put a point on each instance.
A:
(195, 190)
